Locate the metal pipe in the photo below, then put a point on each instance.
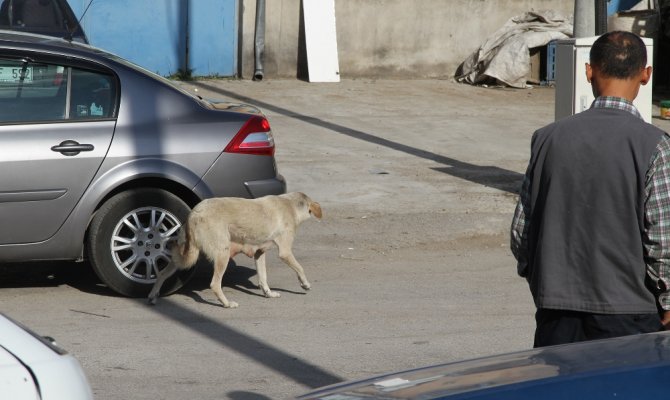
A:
(259, 40)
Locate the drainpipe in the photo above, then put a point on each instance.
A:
(259, 40)
(187, 69)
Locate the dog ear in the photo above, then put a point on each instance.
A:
(315, 209)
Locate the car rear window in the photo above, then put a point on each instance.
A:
(33, 92)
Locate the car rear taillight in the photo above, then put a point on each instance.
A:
(255, 137)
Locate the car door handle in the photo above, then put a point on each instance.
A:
(71, 148)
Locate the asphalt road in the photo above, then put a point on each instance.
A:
(410, 265)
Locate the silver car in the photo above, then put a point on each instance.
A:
(103, 160)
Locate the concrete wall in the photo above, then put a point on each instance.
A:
(385, 38)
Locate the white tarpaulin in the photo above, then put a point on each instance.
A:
(505, 56)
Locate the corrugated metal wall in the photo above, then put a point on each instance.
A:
(166, 36)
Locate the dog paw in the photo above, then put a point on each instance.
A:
(306, 285)
(231, 304)
(270, 294)
(152, 301)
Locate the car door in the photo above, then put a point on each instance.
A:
(56, 125)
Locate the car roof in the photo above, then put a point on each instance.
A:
(31, 42)
(9, 38)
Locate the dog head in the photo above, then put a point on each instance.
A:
(305, 206)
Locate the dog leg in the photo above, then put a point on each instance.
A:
(286, 255)
(161, 277)
(290, 260)
(220, 265)
(259, 257)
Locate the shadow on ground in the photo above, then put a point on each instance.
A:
(52, 274)
(486, 175)
(80, 276)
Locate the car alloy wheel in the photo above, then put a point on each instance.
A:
(139, 240)
(128, 236)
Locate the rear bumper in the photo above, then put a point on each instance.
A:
(241, 175)
(266, 187)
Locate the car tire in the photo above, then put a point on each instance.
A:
(127, 240)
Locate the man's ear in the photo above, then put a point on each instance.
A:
(589, 72)
(645, 75)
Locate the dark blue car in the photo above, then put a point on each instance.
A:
(632, 367)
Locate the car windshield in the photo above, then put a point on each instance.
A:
(37, 16)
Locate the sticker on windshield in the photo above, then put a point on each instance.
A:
(96, 110)
(82, 110)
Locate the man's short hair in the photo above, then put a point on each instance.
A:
(619, 54)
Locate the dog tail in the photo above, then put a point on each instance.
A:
(185, 253)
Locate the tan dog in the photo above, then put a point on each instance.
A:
(223, 227)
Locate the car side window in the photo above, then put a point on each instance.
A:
(32, 91)
(38, 92)
(91, 95)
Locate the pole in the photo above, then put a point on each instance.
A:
(584, 25)
(600, 17)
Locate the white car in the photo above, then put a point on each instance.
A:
(34, 367)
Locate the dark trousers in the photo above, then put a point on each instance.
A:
(562, 326)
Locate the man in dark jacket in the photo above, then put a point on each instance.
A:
(591, 231)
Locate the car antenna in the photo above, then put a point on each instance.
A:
(71, 31)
